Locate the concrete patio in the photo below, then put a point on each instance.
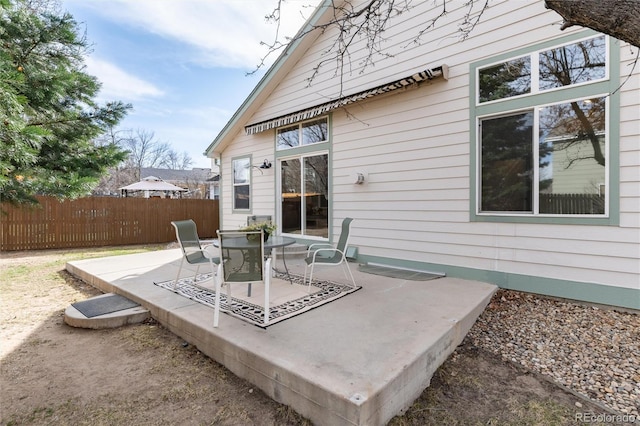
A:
(359, 360)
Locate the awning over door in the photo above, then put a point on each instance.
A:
(306, 114)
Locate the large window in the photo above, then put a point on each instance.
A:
(241, 183)
(543, 141)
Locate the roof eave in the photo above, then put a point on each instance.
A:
(272, 77)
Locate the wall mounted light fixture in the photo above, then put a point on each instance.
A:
(266, 164)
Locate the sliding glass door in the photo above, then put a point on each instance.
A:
(305, 195)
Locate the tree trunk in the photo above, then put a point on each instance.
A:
(617, 18)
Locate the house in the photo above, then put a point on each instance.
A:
(446, 150)
(199, 182)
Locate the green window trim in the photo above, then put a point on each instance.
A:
(302, 151)
(307, 133)
(608, 87)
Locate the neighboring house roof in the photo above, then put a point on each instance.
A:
(193, 175)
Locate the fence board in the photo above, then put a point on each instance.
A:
(101, 221)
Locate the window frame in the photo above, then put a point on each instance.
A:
(536, 100)
(300, 126)
(534, 87)
(234, 185)
(301, 152)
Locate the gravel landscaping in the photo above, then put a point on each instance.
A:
(591, 350)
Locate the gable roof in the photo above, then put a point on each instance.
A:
(307, 35)
(301, 42)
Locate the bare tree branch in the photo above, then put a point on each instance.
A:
(633, 67)
(366, 22)
(369, 21)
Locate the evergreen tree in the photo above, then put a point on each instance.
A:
(48, 113)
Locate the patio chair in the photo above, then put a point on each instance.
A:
(242, 262)
(192, 251)
(327, 255)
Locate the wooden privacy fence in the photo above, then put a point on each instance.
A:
(102, 221)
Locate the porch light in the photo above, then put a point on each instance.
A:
(266, 164)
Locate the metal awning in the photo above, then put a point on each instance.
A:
(305, 114)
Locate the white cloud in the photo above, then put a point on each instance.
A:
(224, 32)
(118, 84)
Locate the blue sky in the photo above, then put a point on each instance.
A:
(182, 64)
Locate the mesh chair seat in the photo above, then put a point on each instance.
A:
(192, 251)
(327, 255)
(242, 262)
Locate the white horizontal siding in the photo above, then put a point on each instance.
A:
(295, 92)
(414, 147)
(259, 147)
(629, 137)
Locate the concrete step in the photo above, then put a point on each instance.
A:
(133, 315)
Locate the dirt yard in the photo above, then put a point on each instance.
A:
(144, 375)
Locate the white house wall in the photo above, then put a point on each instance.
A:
(630, 142)
(259, 147)
(415, 147)
(421, 172)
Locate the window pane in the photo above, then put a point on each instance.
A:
(241, 197)
(241, 170)
(291, 189)
(287, 137)
(572, 64)
(241, 167)
(316, 177)
(506, 183)
(505, 80)
(314, 131)
(573, 157)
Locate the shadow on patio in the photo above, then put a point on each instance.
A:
(359, 360)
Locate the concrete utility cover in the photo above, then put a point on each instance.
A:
(105, 311)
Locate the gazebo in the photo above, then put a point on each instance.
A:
(149, 185)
